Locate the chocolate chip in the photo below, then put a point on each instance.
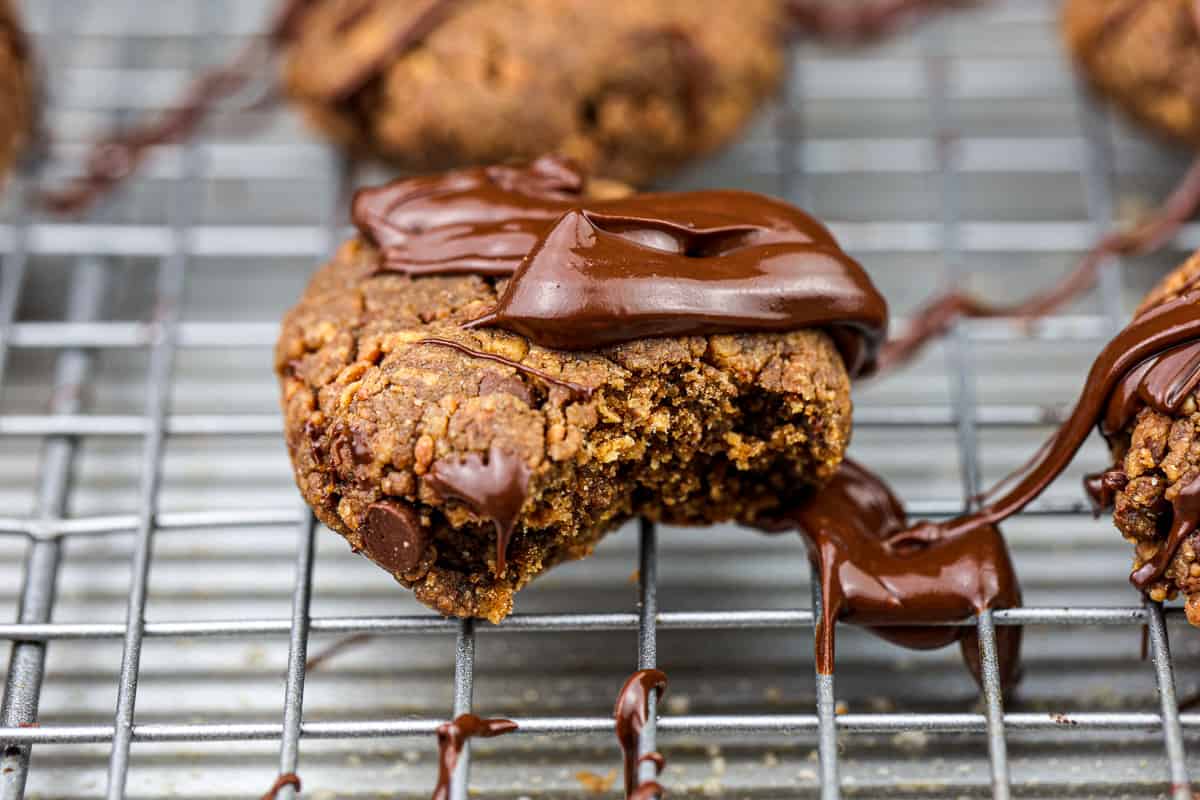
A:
(495, 383)
(394, 537)
(361, 448)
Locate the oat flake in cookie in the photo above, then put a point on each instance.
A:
(629, 88)
(16, 88)
(467, 458)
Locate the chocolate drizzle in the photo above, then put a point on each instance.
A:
(111, 161)
(494, 489)
(592, 273)
(114, 159)
(937, 316)
(866, 581)
(286, 779)
(452, 736)
(576, 390)
(857, 22)
(1102, 487)
(1152, 362)
(631, 712)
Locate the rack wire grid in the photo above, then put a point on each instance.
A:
(155, 551)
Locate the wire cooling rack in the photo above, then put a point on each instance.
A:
(153, 545)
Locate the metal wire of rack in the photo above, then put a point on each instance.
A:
(182, 238)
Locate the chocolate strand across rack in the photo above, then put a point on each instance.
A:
(1153, 363)
(1139, 77)
(116, 158)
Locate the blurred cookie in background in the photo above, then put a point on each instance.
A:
(628, 88)
(1144, 55)
(16, 88)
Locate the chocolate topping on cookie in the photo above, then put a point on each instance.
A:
(599, 279)
(494, 489)
(394, 536)
(593, 273)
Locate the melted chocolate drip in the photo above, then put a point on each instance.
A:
(864, 580)
(936, 317)
(495, 489)
(1102, 487)
(857, 22)
(589, 274)
(1185, 514)
(452, 736)
(647, 790)
(1151, 363)
(577, 390)
(631, 712)
(286, 779)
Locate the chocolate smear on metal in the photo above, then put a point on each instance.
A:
(452, 736)
(286, 779)
(631, 711)
(900, 592)
(588, 274)
(494, 489)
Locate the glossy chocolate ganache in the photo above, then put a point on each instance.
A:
(586, 274)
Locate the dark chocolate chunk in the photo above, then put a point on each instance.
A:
(394, 536)
(494, 489)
